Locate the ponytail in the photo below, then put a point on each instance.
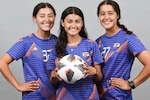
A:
(124, 28)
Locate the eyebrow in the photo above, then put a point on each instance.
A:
(44, 13)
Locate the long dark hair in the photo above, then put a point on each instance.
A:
(63, 39)
(117, 10)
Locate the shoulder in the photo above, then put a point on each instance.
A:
(90, 42)
(25, 38)
(25, 41)
(54, 37)
(99, 38)
(132, 37)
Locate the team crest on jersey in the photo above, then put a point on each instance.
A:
(116, 45)
(85, 54)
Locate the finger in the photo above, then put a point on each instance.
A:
(56, 69)
(85, 75)
(59, 78)
(84, 66)
(33, 85)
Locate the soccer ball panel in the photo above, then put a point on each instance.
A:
(71, 68)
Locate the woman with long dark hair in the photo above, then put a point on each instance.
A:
(73, 40)
(119, 47)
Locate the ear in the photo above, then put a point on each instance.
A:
(34, 19)
(62, 23)
(118, 17)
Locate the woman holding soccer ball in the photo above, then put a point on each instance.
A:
(73, 40)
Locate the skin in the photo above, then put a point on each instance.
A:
(45, 21)
(73, 24)
(108, 19)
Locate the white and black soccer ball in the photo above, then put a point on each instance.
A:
(71, 68)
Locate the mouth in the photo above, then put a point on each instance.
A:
(47, 24)
(73, 29)
(106, 22)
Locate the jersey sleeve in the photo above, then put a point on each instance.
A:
(97, 57)
(17, 51)
(135, 45)
(51, 61)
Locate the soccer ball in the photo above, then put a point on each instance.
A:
(71, 68)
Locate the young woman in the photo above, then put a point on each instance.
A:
(73, 40)
(119, 47)
(34, 51)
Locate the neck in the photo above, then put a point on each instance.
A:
(74, 41)
(43, 35)
(112, 32)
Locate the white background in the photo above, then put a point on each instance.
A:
(16, 22)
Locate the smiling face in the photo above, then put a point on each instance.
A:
(45, 19)
(108, 17)
(72, 24)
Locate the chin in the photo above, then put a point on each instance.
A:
(47, 29)
(107, 27)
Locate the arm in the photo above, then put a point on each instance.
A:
(98, 75)
(5, 60)
(144, 58)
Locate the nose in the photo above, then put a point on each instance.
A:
(73, 24)
(46, 18)
(106, 16)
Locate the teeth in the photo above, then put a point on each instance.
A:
(46, 24)
(106, 22)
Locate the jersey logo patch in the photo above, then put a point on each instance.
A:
(85, 54)
(116, 45)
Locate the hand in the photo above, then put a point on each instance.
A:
(89, 70)
(29, 86)
(54, 74)
(120, 83)
(54, 78)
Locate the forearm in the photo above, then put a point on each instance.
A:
(98, 75)
(144, 58)
(54, 79)
(9, 76)
(142, 76)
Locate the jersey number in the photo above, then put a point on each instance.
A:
(105, 51)
(46, 55)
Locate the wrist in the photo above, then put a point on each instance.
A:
(95, 71)
(131, 84)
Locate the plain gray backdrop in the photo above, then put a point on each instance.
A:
(16, 22)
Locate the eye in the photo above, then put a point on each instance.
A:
(78, 21)
(51, 15)
(69, 21)
(41, 15)
(110, 13)
(101, 13)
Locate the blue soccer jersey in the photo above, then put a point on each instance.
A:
(84, 89)
(118, 52)
(34, 53)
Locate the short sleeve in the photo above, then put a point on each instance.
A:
(135, 45)
(51, 61)
(97, 57)
(17, 51)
